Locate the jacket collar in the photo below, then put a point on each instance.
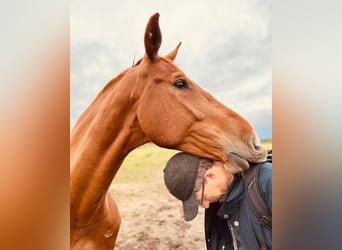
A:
(233, 198)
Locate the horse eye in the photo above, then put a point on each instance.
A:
(180, 84)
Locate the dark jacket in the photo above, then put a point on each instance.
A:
(234, 218)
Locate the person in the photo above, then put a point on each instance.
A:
(229, 219)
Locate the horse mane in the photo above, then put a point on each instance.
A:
(137, 63)
(89, 112)
(110, 84)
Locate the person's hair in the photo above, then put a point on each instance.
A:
(203, 167)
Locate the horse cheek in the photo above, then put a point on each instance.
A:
(158, 127)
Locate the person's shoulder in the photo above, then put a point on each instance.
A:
(265, 170)
(265, 183)
(265, 177)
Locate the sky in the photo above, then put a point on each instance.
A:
(226, 49)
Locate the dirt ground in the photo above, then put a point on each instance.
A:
(152, 219)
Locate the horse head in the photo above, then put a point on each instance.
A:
(174, 112)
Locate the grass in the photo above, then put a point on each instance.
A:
(143, 163)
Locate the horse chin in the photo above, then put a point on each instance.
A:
(237, 163)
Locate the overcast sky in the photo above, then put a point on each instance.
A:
(226, 49)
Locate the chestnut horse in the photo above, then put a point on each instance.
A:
(153, 101)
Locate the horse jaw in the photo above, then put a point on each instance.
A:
(237, 153)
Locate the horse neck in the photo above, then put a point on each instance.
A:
(103, 136)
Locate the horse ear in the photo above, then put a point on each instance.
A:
(152, 37)
(172, 55)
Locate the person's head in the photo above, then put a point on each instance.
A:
(195, 181)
